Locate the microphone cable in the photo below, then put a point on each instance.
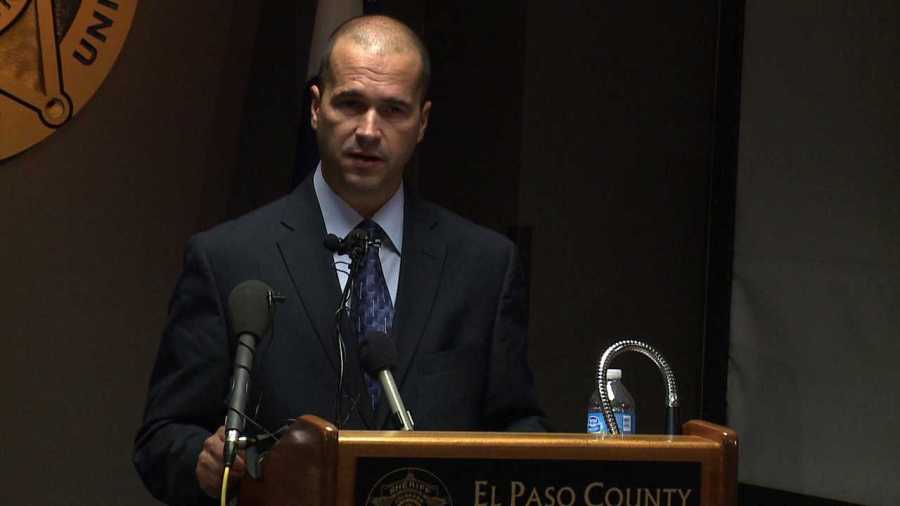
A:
(247, 441)
(223, 499)
(260, 358)
(355, 246)
(343, 308)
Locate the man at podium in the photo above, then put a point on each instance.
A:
(448, 293)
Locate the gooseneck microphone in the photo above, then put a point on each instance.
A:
(378, 355)
(250, 310)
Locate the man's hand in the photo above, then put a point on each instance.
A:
(211, 464)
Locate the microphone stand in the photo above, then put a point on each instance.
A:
(664, 368)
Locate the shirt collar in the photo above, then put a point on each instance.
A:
(340, 218)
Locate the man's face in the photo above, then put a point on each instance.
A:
(368, 120)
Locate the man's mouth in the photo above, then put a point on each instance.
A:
(365, 157)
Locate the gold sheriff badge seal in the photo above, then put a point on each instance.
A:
(54, 54)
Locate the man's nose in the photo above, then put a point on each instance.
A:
(369, 130)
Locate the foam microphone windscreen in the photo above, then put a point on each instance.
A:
(332, 242)
(249, 308)
(376, 352)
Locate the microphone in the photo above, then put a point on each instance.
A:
(378, 355)
(334, 244)
(356, 244)
(250, 310)
(356, 240)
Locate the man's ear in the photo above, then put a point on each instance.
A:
(423, 119)
(314, 106)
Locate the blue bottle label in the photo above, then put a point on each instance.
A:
(597, 424)
(625, 420)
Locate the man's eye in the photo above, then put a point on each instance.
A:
(393, 110)
(351, 105)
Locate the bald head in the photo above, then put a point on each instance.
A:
(379, 35)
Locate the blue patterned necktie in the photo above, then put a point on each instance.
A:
(372, 306)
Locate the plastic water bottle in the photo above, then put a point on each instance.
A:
(622, 406)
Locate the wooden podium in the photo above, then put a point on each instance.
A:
(314, 464)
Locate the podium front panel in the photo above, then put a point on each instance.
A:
(493, 469)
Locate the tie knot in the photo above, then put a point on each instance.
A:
(371, 228)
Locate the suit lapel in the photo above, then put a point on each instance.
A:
(421, 264)
(311, 269)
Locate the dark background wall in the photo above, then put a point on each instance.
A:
(813, 383)
(585, 131)
(617, 135)
(92, 226)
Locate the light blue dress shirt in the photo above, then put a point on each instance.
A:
(340, 219)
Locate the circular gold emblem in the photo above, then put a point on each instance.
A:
(54, 54)
(409, 486)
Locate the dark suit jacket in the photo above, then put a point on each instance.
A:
(459, 327)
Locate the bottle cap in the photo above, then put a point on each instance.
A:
(613, 374)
